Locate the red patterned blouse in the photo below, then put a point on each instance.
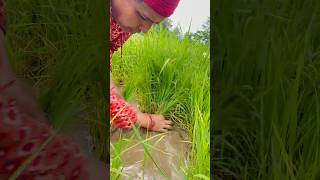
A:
(122, 114)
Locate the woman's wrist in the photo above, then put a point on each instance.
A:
(145, 120)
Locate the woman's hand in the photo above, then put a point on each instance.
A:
(152, 122)
(160, 123)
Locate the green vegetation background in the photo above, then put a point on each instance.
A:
(266, 89)
(60, 48)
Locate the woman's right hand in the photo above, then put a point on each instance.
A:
(144, 120)
(160, 123)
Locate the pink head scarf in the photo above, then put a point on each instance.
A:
(163, 7)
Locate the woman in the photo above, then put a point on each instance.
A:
(26, 137)
(128, 17)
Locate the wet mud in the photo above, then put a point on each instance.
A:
(169, 153)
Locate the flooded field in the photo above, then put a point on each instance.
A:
(169, 152)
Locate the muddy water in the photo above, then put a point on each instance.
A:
(169, 151)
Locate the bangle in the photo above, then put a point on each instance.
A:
(5, 86)
(152, 123)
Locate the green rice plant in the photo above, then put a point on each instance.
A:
(266, 90)
(169, 75)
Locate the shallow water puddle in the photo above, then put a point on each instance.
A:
(168, 150)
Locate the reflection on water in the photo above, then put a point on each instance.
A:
(168, 150)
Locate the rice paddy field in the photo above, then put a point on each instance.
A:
(266, 89)
(60, 49)
(169, 75)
